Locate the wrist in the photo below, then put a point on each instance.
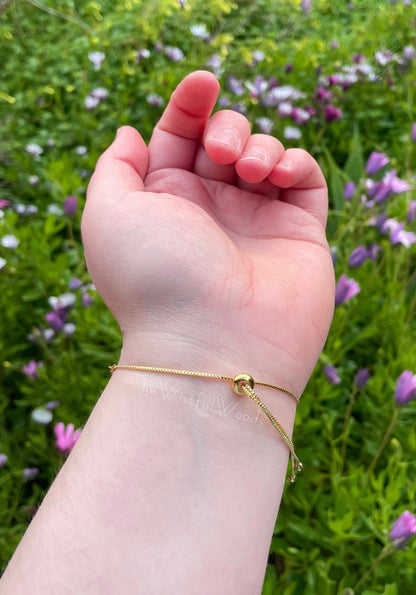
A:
(212, 349)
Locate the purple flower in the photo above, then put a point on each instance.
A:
(257, 87)
(214, 62)
(349, 190)
(332, 113)
(56, 319)
(373, 250)
(30, 473)
(405, 389)
(403, 529)
(333, 79)
(345, 290)
(66, 437)
(358, 257)
(86, 300)
(362, 377)
(235, 86)
(155, 100)
(299, 115)
(397, 233)
(332, 374)
(413, 135)
(408, 52)
(411, 211)
(375, 162)
(75, 283)
(31, 369)
(173, 53)
(52, 404)
(70, 206)
(3, 459)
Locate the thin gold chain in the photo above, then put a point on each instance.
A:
(200, 374)
(242, 384)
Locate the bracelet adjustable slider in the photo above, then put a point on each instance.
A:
(242, 385)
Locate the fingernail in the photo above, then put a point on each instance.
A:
(225, 136)
(118, 131)
(254, 154)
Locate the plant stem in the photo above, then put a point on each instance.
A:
(61, 15)
(345, 427)
(387, 551)
(384, 441)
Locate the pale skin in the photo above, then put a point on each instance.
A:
(209, 248)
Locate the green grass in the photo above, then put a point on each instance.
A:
(335, 521)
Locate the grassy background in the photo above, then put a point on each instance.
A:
(335, 521)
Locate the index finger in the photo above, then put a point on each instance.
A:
(177, 135)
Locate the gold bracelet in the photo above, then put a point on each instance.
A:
(242, 384)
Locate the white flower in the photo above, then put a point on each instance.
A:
(285, 109)
(265, 125)
(99, 93)
(41, 416)
(3, 262)
(91, 102)
(9, 241)
(69, 329)
(66, 300)
(155, 100)
(292, 133)
(199, 31)
(34, 149)
(54, 209)
(33, 180)
(96, 58)
(81, 150)
(258, 56)
(48, 334)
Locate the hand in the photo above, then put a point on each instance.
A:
(209, 245)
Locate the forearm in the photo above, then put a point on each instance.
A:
(173, 487)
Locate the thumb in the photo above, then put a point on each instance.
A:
(120, 171)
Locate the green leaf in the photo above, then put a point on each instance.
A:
(354, 167)
(270, 581)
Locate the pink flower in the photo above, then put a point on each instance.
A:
(31, 369)
(332, 113)
(66, 437)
